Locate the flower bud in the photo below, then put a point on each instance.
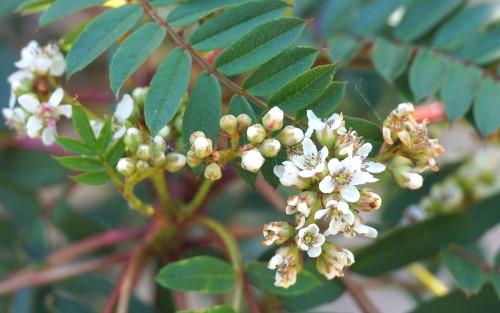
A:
(144, 152)
(132, 139)
(165, 132)
(333, 260)
(175, 161)
(158, 159)
(212, 172)
(229, 124)
(142, 165)
(277, 232)
(368, 200)
(252, 160)
(243, 121)
(192, 160)
(202, 147)
(256, 133)
(178, 122)
(270, 147)
(273, 120)
(407, 178)
(195, 135)
(159, 144)
(290, 135)
(126, 166)
(139, 94)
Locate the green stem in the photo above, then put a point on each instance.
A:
(161, 186)
(197, 200)
(128, 192)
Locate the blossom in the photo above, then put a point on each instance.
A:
(44, 116)
(123, 112)
(277, 232)
(301, 206)
(273, 120)
(310, 240)
(288, 174)
(406, 177)
(317, 124)
(363, 151)
(340, 213)
(289, 264)
(42, 61)
(310, 162)
(358, 228)
(344, 176)
(333, 260)
(399, 124)
(252, 160)
(15, 118)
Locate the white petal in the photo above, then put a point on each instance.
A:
(12, 99)
(7, 113)
(49, 135)
(279, 170)
(314, 252)
(324, 153)
(124, 108)
(275, 261)
(29, 103)
(364, 150)
(358, 178)
(347, 150)
(352, 164)
(56, 97)
(334, 165)
(64, 109)
(320, 213)
(326, 185)
(309, 132)
(58, 66)
(42, 65)
(366, 230)
(33, 126)
(374, 167)
(120, 133)
(307, 173)
(350, 193)
(313, 228)
(321, 240)
(301, 222)
(309, 148)
(299, 161)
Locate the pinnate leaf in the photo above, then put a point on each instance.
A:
(427, 73)
(390, 59)
(486, 106)
(61, 8)
(92, 178)
(80, 163)
(190, 11)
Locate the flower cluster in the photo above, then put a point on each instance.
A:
(330, 177)
(34, 86)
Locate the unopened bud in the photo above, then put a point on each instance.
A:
(159, 144)
(243, 121)
(195, 135)
(252, 160)
(202, 147)
(144, 152)
(165, 132)
(368, 200)
(333, 260)
(192, 160)
(277, 232)
(126, 166)
(273, 120)
(270, 147)
(175, 161)
(139, 94)
(228, 123)
(158, 159)
(132, 139)
(290, 135)
(142, 165)
(406, 177)
(213, 172)
(256, 133)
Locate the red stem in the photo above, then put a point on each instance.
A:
(253, 306)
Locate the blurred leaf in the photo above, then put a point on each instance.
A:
(115, 153)
(61, 8)
(133, 52)
(92, 178)
(263, 278)
(303, 89)
(215, 309)
(368, 130)
(278, 71)
(159, 3)
(485, 48)
(329, 101)
(35, 240)
(495, 281)
(22, 205)
(200, 274)
(8, 234)
(390, 59)
(203, 112)
(459, 89)
(34, 6)
(459, 28)
(22, 301)
(82, 126)
(73, 224)
(343, 48)
(100, 34)
(75, 146)
(70, 36)
(482, 216)
(7, 6)
(247, 176)
(427, 73)
(191, 11)
(80, 163)
(374, 15)
(401, 246)
(229, 25)
(167, 88)
(486, 106)
(484, 302)
(421, 16)
(333, 15)
(468, 275)
(259, 45)
(61, 304)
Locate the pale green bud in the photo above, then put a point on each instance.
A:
(195, 135)
(290, 135)
(126, 166)
(165, 132)
(158, 159)
(175, 161)
(270, 147)
(132, 139)
(139, 94)
(273, 120)
(229, 124)
(159, 144)
(192, 160)
(256, 133)
(202, 147)
(406, 177)
(213, 172)
(368, 200)
(142, 165)
(144, 152)
(243, 121)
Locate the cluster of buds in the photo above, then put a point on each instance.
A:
(329, 177)
(405, 137)
(32, 86)
(146, 153)
(203, 152)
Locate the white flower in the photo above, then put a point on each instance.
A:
(363, 152)
(329, 125)
(277, 232)
(340, 214)
(123, 111)
(333, 260)
(44, 116)
(344, 176)
(358, 228)
(310, 162)
(310, 240)
(298, 205)
(288, 175)
(288, 263)
(252, 160)
(42, 60)
(15, 119)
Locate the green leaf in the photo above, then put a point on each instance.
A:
(374, 15)
(105, 135)
(133, 52)
(81, 163)
(392, 249)
(259, 45)
(390, 59)
(462, 26)
(427, 73)
(191, 11)
(247, 176)
(278, 71)
(203, 112)
(34, 6)
(63, 304)
(100, 34)
(468, 275)
(343, 48)
(75, 146)
(482, 216)
(82, 126)
(239, 105)
(61, 8)
(22, 205)
(368, 130)
(200, 274)
(70, 36)
(92, 178)
(263, 278)
(485, 48)
(167, 88)
(495, 281)
(486, 106)
(459, 89)
(303, 89)
(72, 223)
(159, 3)
(329, 100)
(231, 24)
(115, 152)
(421, 16)
(215, 309)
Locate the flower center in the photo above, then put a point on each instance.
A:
(309, 239)
(48, 114)
(312, 161)
(342, 178)
(329, 122)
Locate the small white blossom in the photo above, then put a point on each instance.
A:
(288, 263)
(340, 215)
(252, 160)
(288, 175)
(42, 61)
(123, 111)
(298, 205)
(358, 228)
(310, 240)
(310, 162)
(362, 152)
(406, 177)
(333, 260)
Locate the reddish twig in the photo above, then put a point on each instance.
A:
(113, 297)
(358, 293)
(252, 303)
(267, 191)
